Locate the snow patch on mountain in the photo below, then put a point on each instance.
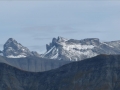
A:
(74, 50)
(77, 46)
(68, 49)
(19, 56)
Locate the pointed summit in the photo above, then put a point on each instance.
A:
(13, 49)
(11, 40)
(12, 43)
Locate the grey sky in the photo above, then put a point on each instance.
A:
(35, 23)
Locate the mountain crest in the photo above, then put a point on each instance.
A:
(90, 41)
(63, 49)
(11, 39)
(11, 43)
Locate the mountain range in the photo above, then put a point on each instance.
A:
(67, 64)
(98, 73)
(75, 50)
(59, 52)
(63, 49)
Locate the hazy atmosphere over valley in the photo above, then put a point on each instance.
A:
(35, 23)
(59, 45)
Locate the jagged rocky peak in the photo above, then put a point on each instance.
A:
(10, 43)
(55, 42)
(72, 49)
(58, 40)
(13, 49)
(11, 40)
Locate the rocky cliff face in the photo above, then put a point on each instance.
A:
(74, 50)
(98, 73)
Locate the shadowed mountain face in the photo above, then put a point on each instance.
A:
(99, 73)
(33, 64)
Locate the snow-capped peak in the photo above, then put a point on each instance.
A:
(13, 49)
(71, 49)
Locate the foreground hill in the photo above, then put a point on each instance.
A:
(98, 73)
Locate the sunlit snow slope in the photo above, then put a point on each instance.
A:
(74, 50)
